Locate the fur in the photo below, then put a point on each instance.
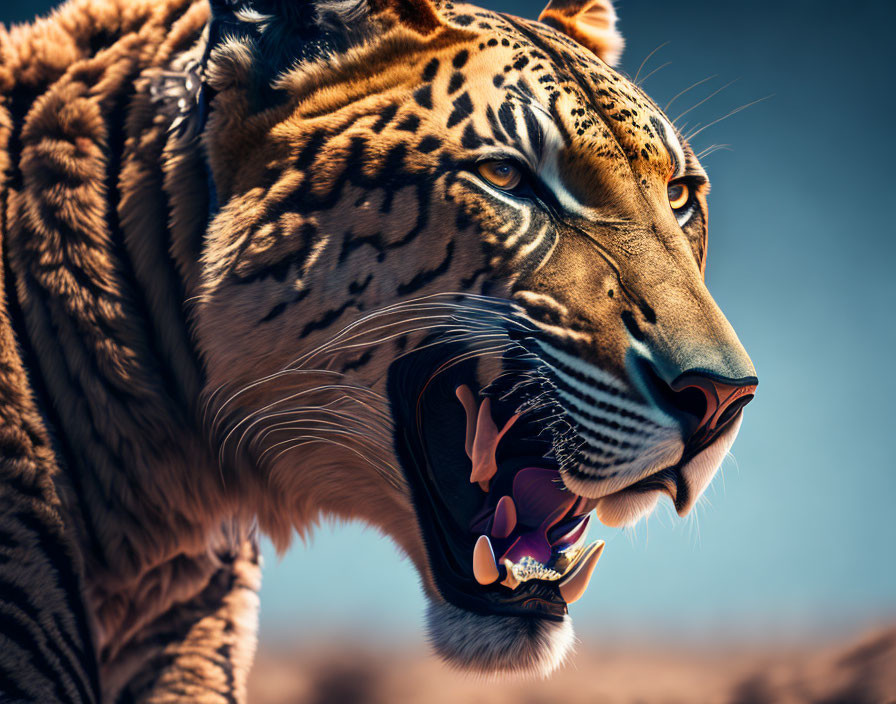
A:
(496, 645)
(220, 229)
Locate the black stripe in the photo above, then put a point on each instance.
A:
(13, 595)
(506, 117)
(462, 109)
(495, 126)
(428, 275)
(18, 633)
(611, 424)
(359, 362)
(385, 118)
(10, 692)
(326, 319)
(70, 585)
(423, 96)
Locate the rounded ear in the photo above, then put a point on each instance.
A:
(592, 23)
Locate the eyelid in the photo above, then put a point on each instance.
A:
(541, 191)
(514, 159)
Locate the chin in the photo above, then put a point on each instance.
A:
(493, 645)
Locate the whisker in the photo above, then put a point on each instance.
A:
(725, 117)
(658, 68)
(708, 97)
(686, 90)
(646, 59)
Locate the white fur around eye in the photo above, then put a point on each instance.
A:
(684, 217)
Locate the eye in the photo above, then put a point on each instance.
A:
(679, 195)
(501, 174)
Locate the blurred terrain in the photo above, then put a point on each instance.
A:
(859, 671)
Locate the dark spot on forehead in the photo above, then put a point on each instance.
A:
(430, 71)
(429, 144)
(457, 80)
(409, 123)
(385, 117)
(471, 139)
(460, 58)
(463, 108)
(463, 20)
(423, 96)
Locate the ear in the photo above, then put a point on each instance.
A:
(252, 42)
(592, 23)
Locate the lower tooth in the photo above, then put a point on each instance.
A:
(511, 580)
(573, 586)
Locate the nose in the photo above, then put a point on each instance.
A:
(704, 402)
(708, 403)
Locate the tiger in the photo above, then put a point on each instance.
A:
(412, 263)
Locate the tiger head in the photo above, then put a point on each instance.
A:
(453, 287)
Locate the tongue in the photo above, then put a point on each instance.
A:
(538, 493)
(541, 502)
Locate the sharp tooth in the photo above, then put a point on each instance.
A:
(465, 396)
(510, 581)
(505, 518)
(486, 442)
(485, 569)
(573, 587)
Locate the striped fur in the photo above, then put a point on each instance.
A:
(220, 229)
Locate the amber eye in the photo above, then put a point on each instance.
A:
(679, 194)
(502, 174)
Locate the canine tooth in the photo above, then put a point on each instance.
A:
(510, 581)
(505, 518)
(465, 396)
(573, 587)
(486, 442)
(580, 529)
(485, 569)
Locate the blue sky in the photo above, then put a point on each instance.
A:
(795, 538)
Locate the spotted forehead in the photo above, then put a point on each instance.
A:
(597, 110)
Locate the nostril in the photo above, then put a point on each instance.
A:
(731, 411)
(692, 403)
(688, 405)
(723, 399)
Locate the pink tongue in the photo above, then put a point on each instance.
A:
(541, 500)
(538, 493)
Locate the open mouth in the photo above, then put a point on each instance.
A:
(504, 535)
(530, 526)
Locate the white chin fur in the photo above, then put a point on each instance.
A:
(494, 645)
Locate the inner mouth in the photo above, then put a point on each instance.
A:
(503, 535)
(529, 527)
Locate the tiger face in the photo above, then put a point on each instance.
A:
(454, 288)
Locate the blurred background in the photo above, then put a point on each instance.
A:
(783, 582)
